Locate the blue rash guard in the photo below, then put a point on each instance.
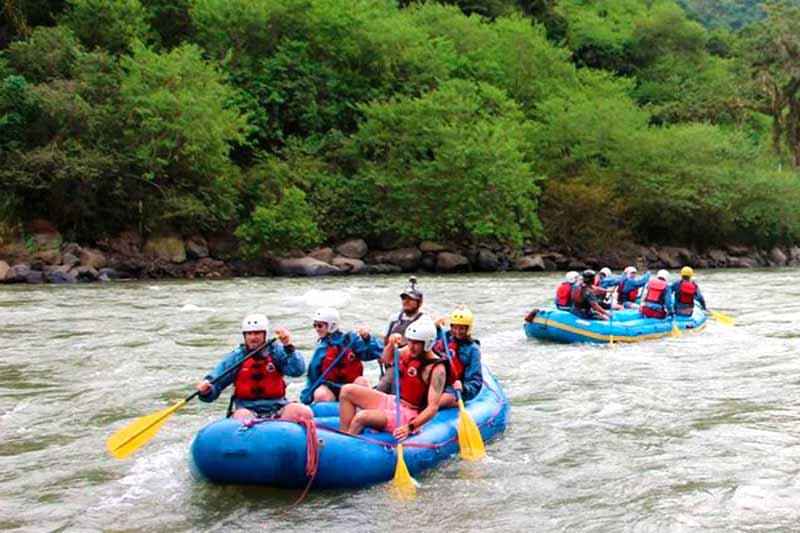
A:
(289, 363)
(685, 309)
(469, 353)
(368, 350)
(629, 285)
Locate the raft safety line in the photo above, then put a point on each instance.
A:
(488, 422)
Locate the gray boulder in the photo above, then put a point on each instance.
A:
(348, 265)
(383, 268)
(70, 260)
(432, 247)
(93, 258)
(167, 248)
(777, 256)
(127, 243)
(450, 262)
(719, 257)
(18, 273)
(223, 246)
(35, 277)
(529, 262)
(85, 273)
(196, 247)
(406, 258)
(4, 269)
(353, 248)
(742, 262)
(487, 261)
(324, 254)
(304, 266)
(60, 277)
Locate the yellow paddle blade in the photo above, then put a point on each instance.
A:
(130, 438)
(470, 442)
(676, 331)
(403, 484)
(725, 319)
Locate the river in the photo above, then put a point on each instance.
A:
(695, 432)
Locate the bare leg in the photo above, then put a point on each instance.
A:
(361, 380)
(373, 418)
(323, 394)
(297, 410)
(243, 414)
(352, 396)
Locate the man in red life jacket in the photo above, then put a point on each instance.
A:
(563, 298)
(685, 291)
(466, 374)
(423, 377)
(584, 300)
(361, 347)
(259, 389)
(657, 302)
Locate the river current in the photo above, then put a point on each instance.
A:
(698, 432)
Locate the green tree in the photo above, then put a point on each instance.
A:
(48, 54)
(109, 24)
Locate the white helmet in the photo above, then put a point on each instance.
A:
(606, 272)
(423, 329)
(630, 271)
(330, 316)
(255, 322)
(663, 274)
(573, 276)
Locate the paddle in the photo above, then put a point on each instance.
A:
(470, 442)
(133, 436)
(402, 483)
(725, 319)
(676, 331)
(331, 367)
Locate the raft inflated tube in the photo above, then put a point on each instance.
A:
(628, 326)
(273, 452)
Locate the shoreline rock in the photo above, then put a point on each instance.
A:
(129, 256)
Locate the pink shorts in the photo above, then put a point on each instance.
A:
(407, 414)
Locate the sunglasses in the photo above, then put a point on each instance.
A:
(319, 325)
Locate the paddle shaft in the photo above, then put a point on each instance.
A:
(397, 384)
(449, 359)
(331, 367)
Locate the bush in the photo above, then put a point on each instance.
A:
(109, 24)
(48, 54)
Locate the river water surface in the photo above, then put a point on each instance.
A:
(697, 432)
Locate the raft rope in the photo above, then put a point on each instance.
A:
(488, 422)
(312, 450)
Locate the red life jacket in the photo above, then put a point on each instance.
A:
(563, 294)
(630, 297)
(687, 290)
(655, 291)
(347, 369)
(259, 379)
(413, 389)
(456, 366)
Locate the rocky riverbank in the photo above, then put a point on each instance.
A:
(45, 257)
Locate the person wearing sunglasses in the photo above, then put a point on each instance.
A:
(330, 369)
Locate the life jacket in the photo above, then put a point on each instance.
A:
(347, 369)
(687, 290)
(578, 300)
(259, 379)
(630, 296)
(456, 370)
(655, 291)
(563, 294)
(413, 389)
(400, 324)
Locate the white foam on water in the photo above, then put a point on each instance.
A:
(152, 475)
(192, 307)
(326, 298)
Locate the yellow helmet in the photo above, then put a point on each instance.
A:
(462, 316)
(687, 272)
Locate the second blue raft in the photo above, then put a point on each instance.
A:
(274, 452)
(628, 326)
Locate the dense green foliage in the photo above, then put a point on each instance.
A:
(292, 122)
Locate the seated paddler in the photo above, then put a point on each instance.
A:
(423, 376)
(466, 374)
(259, 388)
(339, 357)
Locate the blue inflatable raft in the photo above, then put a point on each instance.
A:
(274, 452)
(628, 326)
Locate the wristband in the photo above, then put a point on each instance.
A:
(411, 426)
(289, 348)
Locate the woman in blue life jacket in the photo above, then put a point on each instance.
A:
(584, 299)
(657, 300)
(685, 291)
(563, 299)
(466, 374)
(628, 288)
(338, 371)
